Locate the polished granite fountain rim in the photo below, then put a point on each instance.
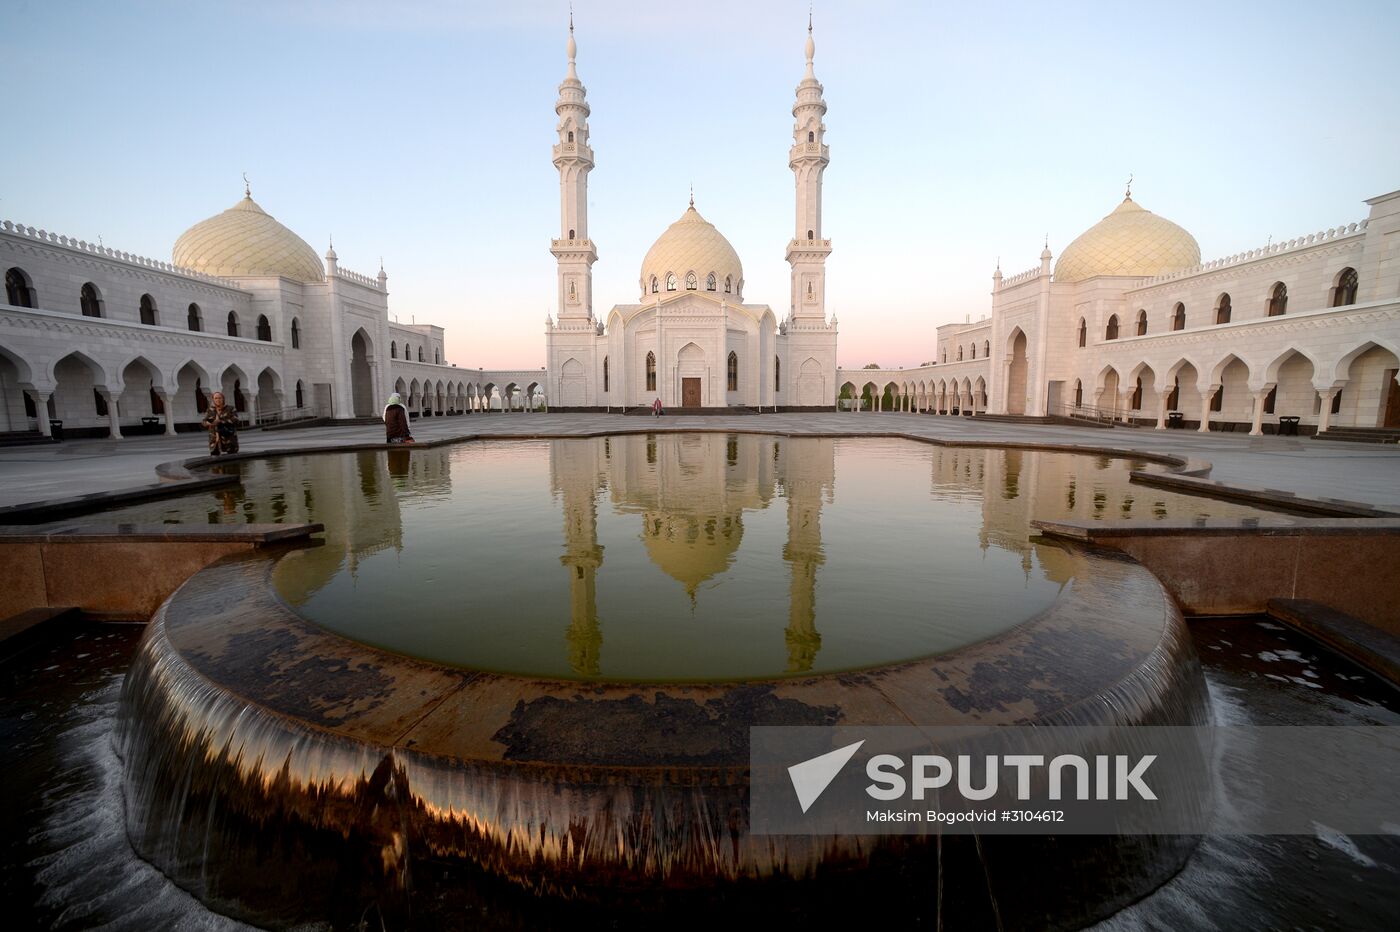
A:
(228, 625)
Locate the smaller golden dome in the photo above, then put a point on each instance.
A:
(246, 242)
(692, 244)
(1130, 241)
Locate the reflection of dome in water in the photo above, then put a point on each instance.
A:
(246, 241)
(692, 244)
(1129, 241)
(690, 548)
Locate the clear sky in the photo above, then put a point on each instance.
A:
(959, 133)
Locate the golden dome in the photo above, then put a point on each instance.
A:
(692, 244)
(245, 241)
(1130, 241)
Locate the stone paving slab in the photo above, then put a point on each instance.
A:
(1365, 473)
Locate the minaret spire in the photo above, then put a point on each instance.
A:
(573, 158)
(808, 159)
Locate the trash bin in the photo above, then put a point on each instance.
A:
(1288, 426)
(56, 428)
(1176, 420)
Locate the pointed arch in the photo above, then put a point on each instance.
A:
(651, 371)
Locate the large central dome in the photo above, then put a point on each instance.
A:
(1129, 241)
(245, 241)
(692, 246)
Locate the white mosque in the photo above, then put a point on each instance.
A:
(1128, 325)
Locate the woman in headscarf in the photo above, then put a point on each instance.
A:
(396, 421)
(221, 421)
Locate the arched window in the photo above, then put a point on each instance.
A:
(777, 374)
(1278, 300)
(571, 139)
(437, 355)
(973, 348)
(19, 289)
(605, 374)
(960, 352)
(710, 282)
(733, 372)
(670, 281)
(728, 281)
(91, 301)
(264, 329)
(655, 285)
(232, 324)
(1083, 332)
(1111, 331)
(301, 398)
(148, 310)
(812, 137)
(809, 235)
(571, 236)
(296, 333)
(193, 319)
(986, 348)
(651, 372)
(1179, 317)
(1345, 291)
(420, 352)
(691, 282)
(1222, 309)
(393, 349)
(1142, 323)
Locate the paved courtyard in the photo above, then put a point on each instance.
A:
(1311, 468)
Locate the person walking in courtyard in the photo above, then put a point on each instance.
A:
(396, 421)
(221, 421)
(656, 407)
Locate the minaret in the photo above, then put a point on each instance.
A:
(808, 158)
(572, 156)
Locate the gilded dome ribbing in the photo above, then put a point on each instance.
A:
(245, 241)
(1130, 241)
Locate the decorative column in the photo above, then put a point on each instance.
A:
(41, 411)
(167, 406)
(1161, 409)
(1126, 399)
(1206, 394)
(1324, 414)
(113, 418)
(1256, 429)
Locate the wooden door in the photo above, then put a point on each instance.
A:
(690, 393)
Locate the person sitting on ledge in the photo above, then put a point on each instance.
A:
(396, 421)
(221, 421)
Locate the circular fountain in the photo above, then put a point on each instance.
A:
(302, 742)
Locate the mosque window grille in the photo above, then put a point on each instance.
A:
(692, 281)
(710, 282)
(670, 281)
(728, 283)
(1348, 283)
(90, 300)
(655, 285)
(19, 288)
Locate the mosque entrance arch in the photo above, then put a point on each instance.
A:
(1016, 375)
(361, 384)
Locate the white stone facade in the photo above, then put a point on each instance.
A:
(691, 340)
(1307, 328)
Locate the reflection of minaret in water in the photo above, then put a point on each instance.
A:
(582, 556)
(809, 468)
